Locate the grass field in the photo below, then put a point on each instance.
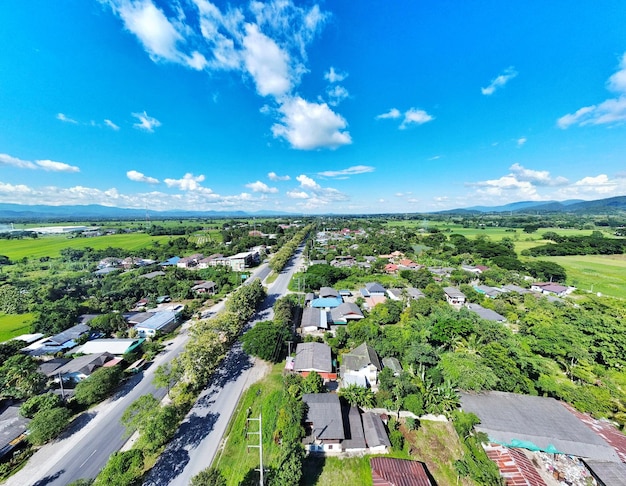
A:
(51, 246)
(600, 273)
(12, 325)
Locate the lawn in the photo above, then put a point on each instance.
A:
(337, 471)
(12, 325)
(597, 273)
(51, 246)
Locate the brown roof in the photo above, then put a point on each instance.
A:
(387, 471)
(514, 466)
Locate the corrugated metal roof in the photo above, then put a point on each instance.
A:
(387, 471)
(324, 412)
(608, 473)
(313, 357)
(374, 429)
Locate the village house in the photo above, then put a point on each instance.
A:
(363, 361)
(551, 288)
(454, 296)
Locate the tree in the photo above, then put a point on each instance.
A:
(47, 424)
(122, 469)
(98, 386)
(20, 377)
(313, 383)
(166, 375)
(39, 403)
(266, 340)
(159, 428)
(201, 357)
(357, 395)
(109, 323)
(208, 477)
(139, 413)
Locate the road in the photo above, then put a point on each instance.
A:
(199, 437)
(83, 450)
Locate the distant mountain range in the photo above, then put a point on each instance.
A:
(20, 212)
(600, 206)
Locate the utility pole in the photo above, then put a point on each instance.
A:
(259, 446)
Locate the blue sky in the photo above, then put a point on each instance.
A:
(338, 106)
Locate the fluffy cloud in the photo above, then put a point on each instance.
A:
(295, 194)
(47, 165)
(66, 119)
(507, 186)
(611, 110)
(521, 141)
(111, 125)
(146, 123)
(308, 126)
(272, 176)
(500, 81)
(393, 113)
(307, 183)
(266, 41)
(537, 177)
(336, 94)
(357, 169)
(189, 182)
(333, 76)
(259, 186)
(313, 195)
(52, 166)
(415, 116)
(133, 175)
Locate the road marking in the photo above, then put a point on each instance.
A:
(85, 461)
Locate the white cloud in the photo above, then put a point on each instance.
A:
(133, 175)
(508, 186)
(308, 126)
(146, 123)
(393, 113)
(521, 141)
(47, 165)
(611, 110)
(500, 81)
(272, 176)
(357, 169)
(6, 159)
(189, 182)
(333, 76)
(66, 119)
(111, 125)
(307, 183)
(266, 62)
(435, 157)
(52, 166)
(415, 116)
(336, 94)
(537, 177)
(19, 190)
(295, 194)
(259, 186)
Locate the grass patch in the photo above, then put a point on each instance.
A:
(337, 471)
(51, 246)
(602, 273)
(236, 461)
(12, 325)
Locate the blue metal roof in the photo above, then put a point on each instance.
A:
(326, 302)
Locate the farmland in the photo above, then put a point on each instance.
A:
(51, 246)
(14, 325)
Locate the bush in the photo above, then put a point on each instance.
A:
(414, 403)
(123, 469)
(208, 477)
(98, 386)
(39, 403)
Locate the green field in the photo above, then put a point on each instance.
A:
(12, 325)
(51, 246)
(600, 273)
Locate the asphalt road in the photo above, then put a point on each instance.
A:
(85, 447)
(199, 437)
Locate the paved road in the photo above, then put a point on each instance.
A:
(199, 436)
(85, 448)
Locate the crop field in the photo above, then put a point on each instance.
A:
(51, 246)
(597, 273)
(12, 325)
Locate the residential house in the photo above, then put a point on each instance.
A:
(551, 288)
(391, 268)
(115, 347)
(487, 314)
(313, 319)
(190, 261)
(406, 264)
(314, 357)
(375, 289)
(59, 342)
(375, 434)
(323, 423)
(393, 364)
(487, 291)
(515, 288)
(395, 294)
(82, 367)
(326, 302)
(328, 292)
(414, 293)
(207, 287)
(242, 260)
(387, 471)
(454, 296)
(347, 311)
(170, 262)
(364, 361)
(151, 275)
(355, 436)
(206, 262)
(159, 322)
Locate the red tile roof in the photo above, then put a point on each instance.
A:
(398, 472)
(514, 466)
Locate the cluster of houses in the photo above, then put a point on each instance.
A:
(198, 261)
